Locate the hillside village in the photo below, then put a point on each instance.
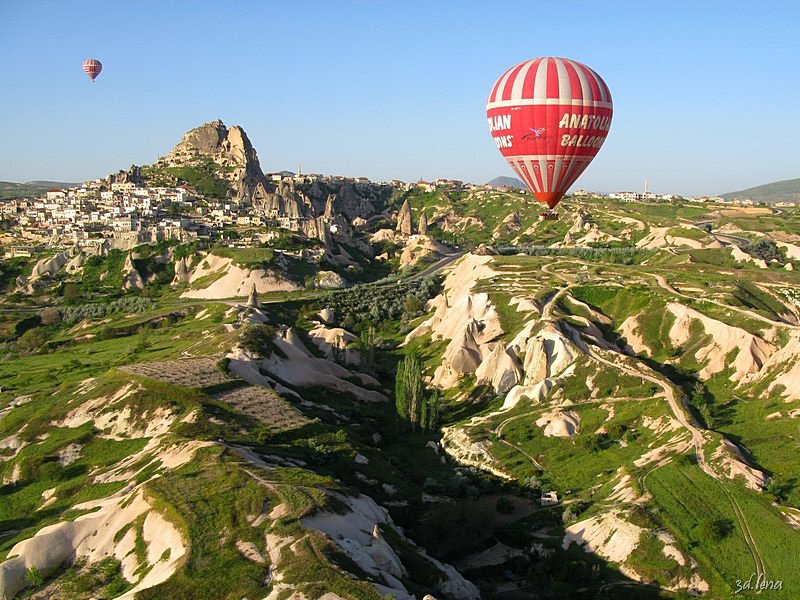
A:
(128, 208)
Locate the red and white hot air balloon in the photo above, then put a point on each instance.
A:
(92, 67)
(549, 117)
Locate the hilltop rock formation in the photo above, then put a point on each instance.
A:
(500, 369)
(659, 237)
(42, 272)
(330, 280)
(585, 231)
(419, 247)
(230, 149)
(468, 320)
(294, 364)
(547, 354)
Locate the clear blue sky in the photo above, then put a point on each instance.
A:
(705, 93)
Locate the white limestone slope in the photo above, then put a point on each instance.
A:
(294, 364)
(658, 237)
(468, 320)
(92, 537)
(781, 369)
(606, 534)
(751, 350)
(233, 281)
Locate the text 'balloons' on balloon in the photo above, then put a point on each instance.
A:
(92, 67)
(549, 117)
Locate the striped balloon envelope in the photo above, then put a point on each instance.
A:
(549, 117)
(92, 67)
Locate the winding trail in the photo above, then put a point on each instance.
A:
(499, 432)
(680, 412)
(666, 286)
(761, 567)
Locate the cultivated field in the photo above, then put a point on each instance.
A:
(264, 405)
(188, 372)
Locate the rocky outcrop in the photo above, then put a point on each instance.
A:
(132, 175)
(42, 273)
(49, 266)
(330, 280)
(132, 279)
(232, 281)
(182, 273)
(295, 365)
(469, 321)
(357, 530)
(500, 369)
(462, 356)
(751, 351)
(781, 370)
(93, 537)
(405, 224)
(419, 247)
(547, 354)
(423, 224)
(457, 443)
(331, 202)
(559, 423)
(230, 149)
(729, 460)
(510, 224)
(76, 263)
(252, 298)
(336, 343)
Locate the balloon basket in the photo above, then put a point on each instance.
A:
(548, 216)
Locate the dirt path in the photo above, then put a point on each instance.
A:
(547, 311)
(499, 432)
(742, 311)
(761, 567)
(676, 404)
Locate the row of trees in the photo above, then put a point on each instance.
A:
(623, 254)
(363, 306)
(128, 304)
(419, 409)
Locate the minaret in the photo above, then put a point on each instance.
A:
(645, 186)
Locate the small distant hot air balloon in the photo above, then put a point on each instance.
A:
(549, 117)
(92, 67)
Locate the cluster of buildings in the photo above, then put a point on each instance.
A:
(96, 210)
(99, 210)
(652, 197)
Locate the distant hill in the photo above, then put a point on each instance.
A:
(10, 189)
(507, 181)
(787, 190)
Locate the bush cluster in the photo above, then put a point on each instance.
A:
(131, 304)
(362, 306)
(619, 255)
(765, 249)
(259, 340)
